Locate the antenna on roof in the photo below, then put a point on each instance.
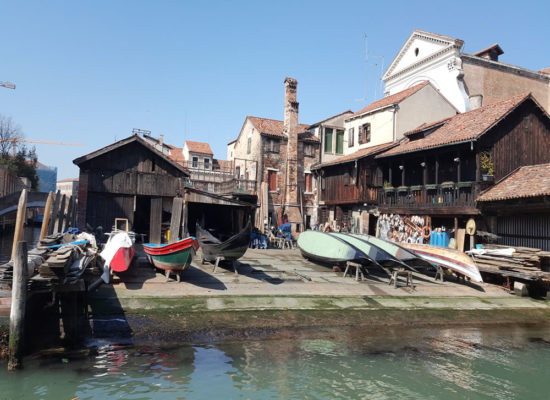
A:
(378, 85)
(143, 132)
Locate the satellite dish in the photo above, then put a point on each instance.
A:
(471, 226)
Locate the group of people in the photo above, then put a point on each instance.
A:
(344, 228)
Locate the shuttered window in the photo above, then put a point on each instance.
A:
(339, 141)
(328, 140)
(272, 180)
(309, 182)
(351, 137)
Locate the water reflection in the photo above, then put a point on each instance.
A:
(30, 235)
(349, 363)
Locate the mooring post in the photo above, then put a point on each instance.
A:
(18, 302)
(19, 221)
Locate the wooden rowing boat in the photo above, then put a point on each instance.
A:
(452, 259)
(118, 252)
(378, 256)
(398, 252)
(328, 249)
(173, 257)
(229, 250)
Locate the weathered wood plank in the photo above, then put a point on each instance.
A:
(175, 222)
(155, 220)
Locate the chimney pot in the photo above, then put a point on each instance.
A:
(476, 101)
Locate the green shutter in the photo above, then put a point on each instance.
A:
(339, 142)
(328, 140)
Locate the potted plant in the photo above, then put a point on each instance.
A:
(486, 163)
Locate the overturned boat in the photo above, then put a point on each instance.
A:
(452, 259)
(229, 250)
(329, 249)
(398, 252)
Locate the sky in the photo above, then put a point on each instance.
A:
(88, 72)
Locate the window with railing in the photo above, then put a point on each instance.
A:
(195, 162)
(206, 163)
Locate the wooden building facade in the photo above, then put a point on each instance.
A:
(128, 179)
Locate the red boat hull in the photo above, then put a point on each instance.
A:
(122, 259)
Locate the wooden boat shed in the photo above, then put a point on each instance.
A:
(132, 179)
(128, 179)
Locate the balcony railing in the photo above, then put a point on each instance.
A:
(444, 195)
(231, 186)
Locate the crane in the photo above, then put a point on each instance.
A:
(14, 142)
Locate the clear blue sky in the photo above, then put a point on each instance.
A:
(90, 71)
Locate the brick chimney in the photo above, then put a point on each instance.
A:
(291, 131)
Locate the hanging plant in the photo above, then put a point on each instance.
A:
(486, 162)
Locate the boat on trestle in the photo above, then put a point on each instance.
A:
(452, 259)
(172, 258)
(231, 249)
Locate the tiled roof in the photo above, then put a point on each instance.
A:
(545, 71)
(361, 153)
(176, 155)
(198, 147)
(275, 127)
(329, 118)
(393, 99)
(224, 165)
(459, 128)
(528, 181)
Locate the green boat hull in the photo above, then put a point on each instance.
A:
(328, 249)
(179, 261)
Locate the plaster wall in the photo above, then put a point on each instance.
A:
(496, 82)
(381, 129)
(425, 106)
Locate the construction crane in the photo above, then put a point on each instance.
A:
(14, 142)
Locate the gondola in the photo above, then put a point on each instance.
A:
(229, 250)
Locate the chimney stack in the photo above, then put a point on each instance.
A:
(476, 101)
(291, 131)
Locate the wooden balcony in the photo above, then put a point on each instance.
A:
(445, 198)
(350, 195)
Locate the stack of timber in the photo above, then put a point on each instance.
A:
(59, 260)
(523, 263)
(67, 261)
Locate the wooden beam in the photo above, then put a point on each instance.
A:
(175, 222)
(155, 220)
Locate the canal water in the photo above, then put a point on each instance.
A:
(458, 363)
(30, 235)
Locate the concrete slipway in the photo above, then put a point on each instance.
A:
(277, 292)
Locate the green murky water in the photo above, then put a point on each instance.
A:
(504, 363)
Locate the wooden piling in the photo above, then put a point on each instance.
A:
(19, 221)
(58, 227)
(46, 219)
(18, 303)
(54, 213)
